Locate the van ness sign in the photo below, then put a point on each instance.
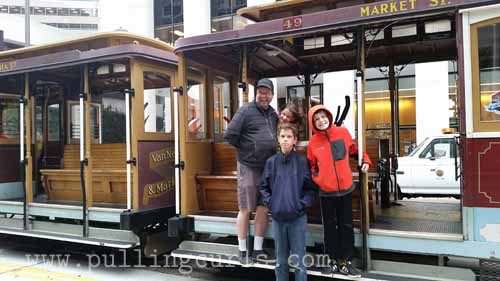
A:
(156, 174)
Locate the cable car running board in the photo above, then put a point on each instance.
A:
(221, 255)
(113, 238)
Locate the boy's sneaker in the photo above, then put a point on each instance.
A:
(347, 268)
(332, 268)
(244, 258)
(261, 256)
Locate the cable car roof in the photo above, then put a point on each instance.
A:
(281, 47)
(96, 47)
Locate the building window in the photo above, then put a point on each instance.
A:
(16, 10)
(37, 11)
(51, 11)
(63, 11)
(86, 26)
(168, 12)
(170, 34)
(168, 20)
(223, 14)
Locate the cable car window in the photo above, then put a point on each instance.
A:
(489, 68)
(196, 110)
(157, 103)
(221, 104)
(9, 119)
(74, 124)
(485, 50)
(54, 126)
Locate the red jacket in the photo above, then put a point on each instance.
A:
(328, 154)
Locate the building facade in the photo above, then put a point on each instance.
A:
(49, 19)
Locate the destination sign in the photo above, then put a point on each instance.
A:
(7, 66)
(394, 7)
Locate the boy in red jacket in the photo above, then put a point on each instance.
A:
(328, 154)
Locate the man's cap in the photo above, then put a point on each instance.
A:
(265, 83)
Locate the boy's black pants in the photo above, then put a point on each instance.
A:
(338, 234)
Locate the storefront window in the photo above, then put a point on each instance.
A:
(378, 108)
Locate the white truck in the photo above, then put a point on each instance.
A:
(430, 169)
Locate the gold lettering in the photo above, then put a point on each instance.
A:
(365, 11)
(161, 157)
(375, 11)
(434, 3)
(6, 66)
(156, 190)
(402, 6)
(394, 8)
(412, 4)
(384, 8)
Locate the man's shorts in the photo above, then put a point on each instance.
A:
(248, 186)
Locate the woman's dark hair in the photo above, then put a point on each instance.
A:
(292, 107)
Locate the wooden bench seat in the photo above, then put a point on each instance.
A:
(218, 190)
(108, 175)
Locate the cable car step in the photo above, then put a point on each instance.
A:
(106, 237)
(70, 238)
(220, 254)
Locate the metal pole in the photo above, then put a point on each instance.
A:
(22, 161)
(27, 22)
(307, 93)
(177, 153)
(363, 178)
(394, 97)
(82, 164)
(128, 141)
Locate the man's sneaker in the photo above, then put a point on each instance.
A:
(244, 258)
(347, 268)
(332, 268)
(261, 256)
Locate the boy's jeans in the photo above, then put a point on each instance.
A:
(290, 244)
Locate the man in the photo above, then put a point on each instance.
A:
(253, 132)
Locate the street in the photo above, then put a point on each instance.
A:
(25, 259)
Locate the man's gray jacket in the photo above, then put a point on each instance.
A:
(253, 132)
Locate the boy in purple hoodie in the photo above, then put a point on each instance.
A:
(287, 190)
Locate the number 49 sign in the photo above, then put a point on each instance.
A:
(292, 23)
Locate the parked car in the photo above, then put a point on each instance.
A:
(429, 170)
